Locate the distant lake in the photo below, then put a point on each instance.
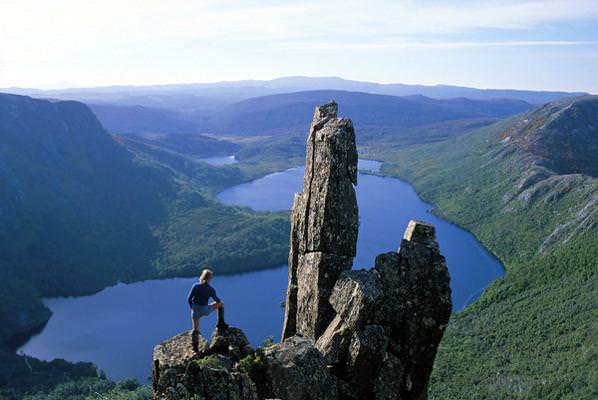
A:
(222, 160)
(369, 165)
(118, 327)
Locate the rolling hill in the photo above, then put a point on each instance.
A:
(137, 119)
(287, 113)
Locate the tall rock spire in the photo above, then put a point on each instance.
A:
(324, 223)
(361, 334)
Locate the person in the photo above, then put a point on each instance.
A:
(198, 299)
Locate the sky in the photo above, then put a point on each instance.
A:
(521, 44)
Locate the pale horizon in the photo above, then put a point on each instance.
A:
(525, 45)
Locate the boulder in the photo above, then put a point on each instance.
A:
(417, 305)
(208, 380)
(389, 381)
(229, 341)
(296, 370)
(319, 272)
(355, 299)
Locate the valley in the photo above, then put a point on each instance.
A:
(523, 184)
(253, 300)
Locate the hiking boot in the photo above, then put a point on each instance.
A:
(222, 326)
(195, 340)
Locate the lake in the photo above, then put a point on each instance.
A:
(221, 160)
(118, 327)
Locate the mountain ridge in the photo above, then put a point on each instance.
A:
(288, 111)
(296, 83)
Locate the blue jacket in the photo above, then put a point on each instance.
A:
(200, 294)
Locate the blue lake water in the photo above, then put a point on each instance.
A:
(385, 207)
(369, 165)
(118, 327)
(222, 160)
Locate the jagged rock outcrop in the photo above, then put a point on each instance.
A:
(389, 320)
(324, 223)
(185, 366)
(348, 334)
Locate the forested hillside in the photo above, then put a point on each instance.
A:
(81, 211)
(527, 188)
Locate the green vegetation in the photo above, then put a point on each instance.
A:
(95, 389)
(254, 366)
(81, 211)
(194, 145)
(211, 362)
(198, 230)
(272, 154)
(532, 334)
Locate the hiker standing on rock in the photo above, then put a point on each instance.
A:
(198, 299)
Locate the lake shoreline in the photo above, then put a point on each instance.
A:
(160, 278)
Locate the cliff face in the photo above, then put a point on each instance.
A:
(347, 334)
(71, 200)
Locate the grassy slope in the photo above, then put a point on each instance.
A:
(533, 333)
(199, 230)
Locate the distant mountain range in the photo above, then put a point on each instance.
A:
(287, 113)
(280, 106)
(195, 94)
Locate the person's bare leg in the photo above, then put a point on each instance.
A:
(195, 324)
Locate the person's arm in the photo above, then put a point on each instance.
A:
(215, 297)
(190, 296)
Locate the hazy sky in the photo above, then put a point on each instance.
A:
(529, 44)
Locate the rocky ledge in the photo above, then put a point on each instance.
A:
(347, 334)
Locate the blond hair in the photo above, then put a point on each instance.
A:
(206, 275)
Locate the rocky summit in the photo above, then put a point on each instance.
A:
(347, 334)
